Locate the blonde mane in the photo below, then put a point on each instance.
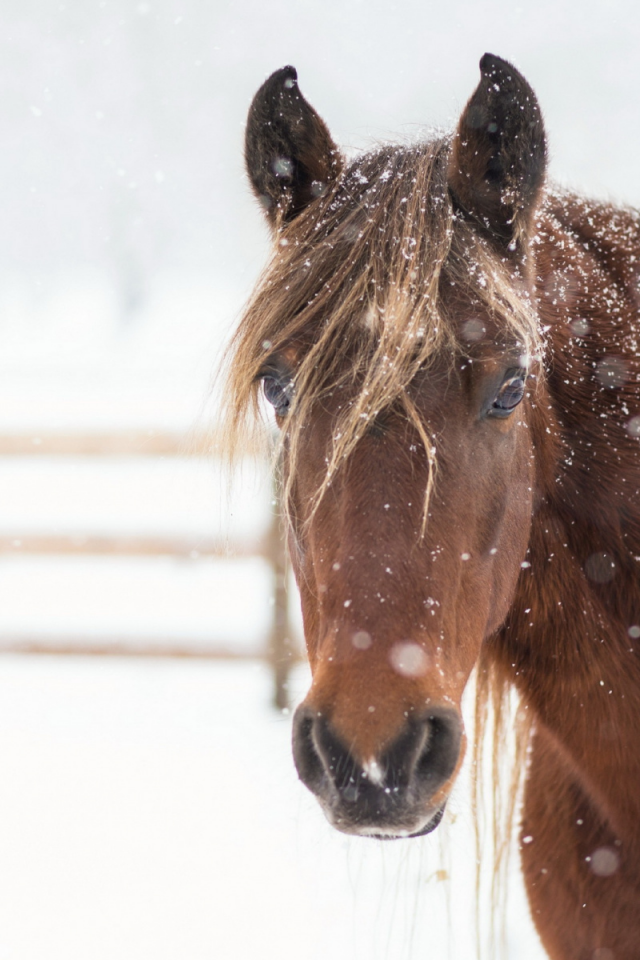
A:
(355, 284)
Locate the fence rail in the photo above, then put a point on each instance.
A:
(279, 651)
(118, 646)
(193, 548)
(125, 443)
(119, 443)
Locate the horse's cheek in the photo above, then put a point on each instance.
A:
(507, 565)
(503, 589)
(504, 533)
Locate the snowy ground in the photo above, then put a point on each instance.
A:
(152, 810)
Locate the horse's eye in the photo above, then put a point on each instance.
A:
(278, 393)
(510, 395)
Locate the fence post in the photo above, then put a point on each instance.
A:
(280, 645)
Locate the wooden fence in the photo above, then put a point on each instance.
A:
(279, 651)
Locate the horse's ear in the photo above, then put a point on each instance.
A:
(499, 153)
(289, 153)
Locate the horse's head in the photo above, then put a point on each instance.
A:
(394, 334)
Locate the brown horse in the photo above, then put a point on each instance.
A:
(451, 349)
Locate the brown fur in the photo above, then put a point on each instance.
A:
(396, 304)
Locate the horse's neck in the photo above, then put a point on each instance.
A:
(569, 641)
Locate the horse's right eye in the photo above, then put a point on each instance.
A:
(278, 392)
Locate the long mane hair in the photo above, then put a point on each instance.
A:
(356, 281)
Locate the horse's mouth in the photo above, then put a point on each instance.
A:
(429, 826)
(376, 832)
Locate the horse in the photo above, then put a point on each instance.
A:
(450, 345)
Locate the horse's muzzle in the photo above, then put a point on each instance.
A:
(393, 795)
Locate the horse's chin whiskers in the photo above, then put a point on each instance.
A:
(379, 833)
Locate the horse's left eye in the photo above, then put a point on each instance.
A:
(510, 395)
(278, 393)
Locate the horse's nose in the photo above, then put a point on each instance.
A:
(391, 792)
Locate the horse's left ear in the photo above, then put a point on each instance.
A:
(289, 153)
(499, 154)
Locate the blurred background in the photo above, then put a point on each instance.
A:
(148, 803)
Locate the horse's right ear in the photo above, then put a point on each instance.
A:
(499, 154)
(290, 156)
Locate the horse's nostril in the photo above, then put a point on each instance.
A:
(307, 760)
(415, 766)
(321, 758)
(439, 756)
(425, 755)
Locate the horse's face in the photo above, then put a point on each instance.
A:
(397, 599)
(394, 617)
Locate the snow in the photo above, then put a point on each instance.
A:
(151, 809)
(136, 496)
(69, 362)
(162, 601)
